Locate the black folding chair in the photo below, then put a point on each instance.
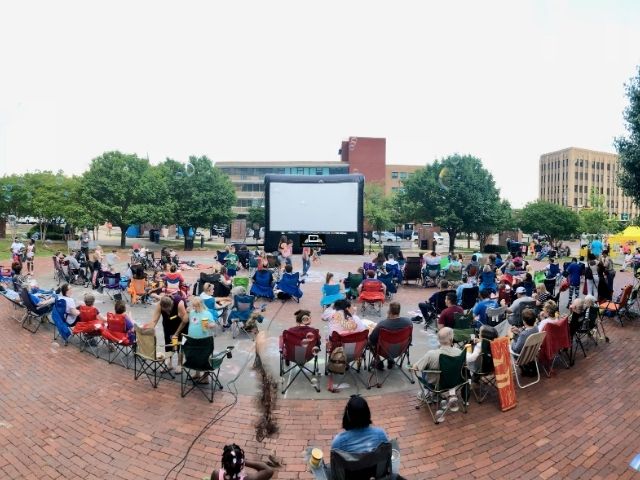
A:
(469, 297)
(198, 356)
(33, 315)
(485, 377)
(362, 466)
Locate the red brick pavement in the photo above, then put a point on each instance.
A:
(66, 414)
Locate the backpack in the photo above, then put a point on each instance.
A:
(337, 361)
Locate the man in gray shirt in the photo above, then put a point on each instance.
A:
(518, 305)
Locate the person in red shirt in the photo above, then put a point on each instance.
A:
(446, 318)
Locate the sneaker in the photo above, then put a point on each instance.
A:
(443, 404)
(453, 404)
(439, 416)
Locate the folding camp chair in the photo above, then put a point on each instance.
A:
(351, 284)
(389, 282)
(550, 285)
(469, 297)
(583, 326)
(14, 298)
(243, 306)
(452, 381)
(111, 283)
(362, 466)
(273, 266)
(330, 294)
(289, 284)
(372, 294)
(495, 315)
(198, 356)
(90, 335)
(221, 256)
(58, 272)
(59, 320)
(395, 272)
(484, 378)
(462, 328)
(620, 308)
(116, 337)
(137, 291)
(453, 275)
(33, 316)
(439, 303)
(393, 345)
(145, 353)
(297, 350)
(240, 282)
(354, 346)
(412, 270)
(528, 355)
(431, 275)
(262, 284)
(556, 343)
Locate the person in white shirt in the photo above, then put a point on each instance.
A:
(17, 247)
(71, 311)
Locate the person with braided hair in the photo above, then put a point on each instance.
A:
(233, 464)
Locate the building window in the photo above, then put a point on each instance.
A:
(403, 174)
(394, 174)
(576, 175)
(319, 171)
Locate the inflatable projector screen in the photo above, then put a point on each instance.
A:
(323, 212)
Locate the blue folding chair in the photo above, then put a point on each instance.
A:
(395, 271)
(262, 284)
(290, 285)
(243, 307)
(388, 280)
(330, 294)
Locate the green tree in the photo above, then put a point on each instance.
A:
(200, 193)
(595, 218)
(14, 197)
(457, 193)
(48, 193)
(555, 221)
(125, 190)
(497, 219)
(378, 211)
(256, 216)
(629, 147)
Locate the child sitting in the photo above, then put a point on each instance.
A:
(120, 326)
(90, 322)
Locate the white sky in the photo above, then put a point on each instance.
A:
(288, 80)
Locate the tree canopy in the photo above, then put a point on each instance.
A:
(377, 207)
(629, 146)
(199, 194)
(458, 194)
(555, 221)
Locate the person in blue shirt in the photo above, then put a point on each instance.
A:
(358, 436)
(480, 309)
(596, 247)
(553, 269)
(574, 272)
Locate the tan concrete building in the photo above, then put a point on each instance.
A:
(395, 174)
(566, 177)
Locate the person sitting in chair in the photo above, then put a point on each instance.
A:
(371, 277)
(345, 320)
(71, 310)
(516, 307)
(480, 308)
(173, 280)
(393, 322)
(431, 359)
(529, 320)
(446, 318)
(42, 302)
(473, 358)
(358, 436)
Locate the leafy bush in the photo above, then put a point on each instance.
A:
(491, 248)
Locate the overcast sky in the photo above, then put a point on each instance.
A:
(288, 80)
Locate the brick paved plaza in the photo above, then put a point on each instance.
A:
(67, 414)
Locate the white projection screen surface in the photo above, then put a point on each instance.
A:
(313, 207)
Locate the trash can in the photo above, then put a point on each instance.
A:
(391, 249)
(188, 244)
(202, 241)
(151, 235)
(424, 245)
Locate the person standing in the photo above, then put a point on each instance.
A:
(17, 248)
(610, 269)
(109, 227)
(306, 260)
(31, 253)
(574, 271)
(84, 242)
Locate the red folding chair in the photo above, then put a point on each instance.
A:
(619, 309)
(372, 294)
(393, 345)
(297, 348)
(555, 343)
(354, 346)
(117, 338)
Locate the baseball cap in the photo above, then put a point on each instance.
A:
(521, 290)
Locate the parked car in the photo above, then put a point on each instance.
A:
(385, 237)
(438, 238)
